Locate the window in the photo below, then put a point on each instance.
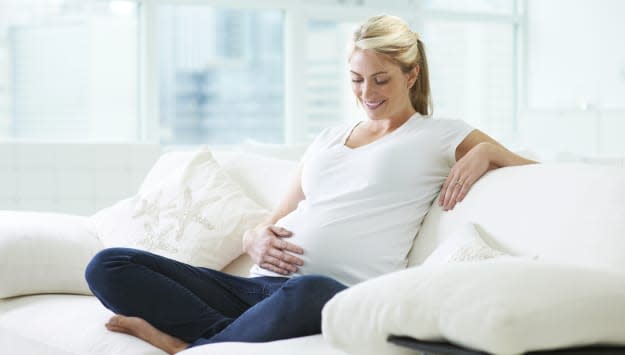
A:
(472, 73)
(328, 96)
(223, 72)
(473, 6)
(221, 76)
(471, 52)
(71, 71)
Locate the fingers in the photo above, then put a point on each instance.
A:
(453, 191)
(447, 191)
(290, 259)
(453, 196)
(284, 267)
(465, 189)
(275, 253)
(280, 262)
(284, 245)
(280, 232)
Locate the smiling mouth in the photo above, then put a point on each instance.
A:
(372, 105)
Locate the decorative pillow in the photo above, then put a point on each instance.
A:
(44, 253)
(464, 244)
(502, 306)
(187, 209)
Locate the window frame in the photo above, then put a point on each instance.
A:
(296, 14)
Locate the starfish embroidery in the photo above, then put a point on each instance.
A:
(149, 208)
(473, 253)
(191, 212)
(153, 240)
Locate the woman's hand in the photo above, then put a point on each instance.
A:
(268, 249)
(466, 171)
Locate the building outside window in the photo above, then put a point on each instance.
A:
(75, 70)
(221, 76)
(68, 71)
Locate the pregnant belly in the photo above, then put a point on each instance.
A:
(331, 248)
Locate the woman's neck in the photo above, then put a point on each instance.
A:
(382, 126)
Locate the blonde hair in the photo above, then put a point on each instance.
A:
(391, 36)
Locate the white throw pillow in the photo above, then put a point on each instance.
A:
(187, 209)
(44, 253)
(463, 245)
(502, 306)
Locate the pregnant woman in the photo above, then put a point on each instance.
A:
(351, 214)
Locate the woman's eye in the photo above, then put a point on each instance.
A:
(381, 82)
(356, 80)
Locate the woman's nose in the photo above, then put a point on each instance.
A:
(366, 89)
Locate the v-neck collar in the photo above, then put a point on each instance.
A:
(351, 130)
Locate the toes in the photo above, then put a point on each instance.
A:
(114, 324)
(115, 320)
(113, 328)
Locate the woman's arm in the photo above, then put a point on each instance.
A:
(266, 244)
(475, 155)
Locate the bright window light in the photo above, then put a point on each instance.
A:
(122, 8)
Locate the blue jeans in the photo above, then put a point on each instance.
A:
(203, 306)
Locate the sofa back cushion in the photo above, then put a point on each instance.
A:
(569, 213)
(264, 179)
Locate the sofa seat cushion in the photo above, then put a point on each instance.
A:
(308, 345)
(63, 325)
(72, 324)
(502, 306)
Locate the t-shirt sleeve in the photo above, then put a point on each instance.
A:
(453, 132)
(313, 147)
(323, 140)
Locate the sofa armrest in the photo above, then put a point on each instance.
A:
(44, 253)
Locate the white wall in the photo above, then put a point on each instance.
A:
(574, 94)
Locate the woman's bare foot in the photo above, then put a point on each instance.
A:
(143, 330)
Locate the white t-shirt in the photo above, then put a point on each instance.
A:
(363, 206)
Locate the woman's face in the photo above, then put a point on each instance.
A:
(380, 86)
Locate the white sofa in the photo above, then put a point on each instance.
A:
(570, 214)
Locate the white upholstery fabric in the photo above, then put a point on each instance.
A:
(44, 252)
(464, 245)
(240, 266)
(264, 179)
(279, 151)
(187, 209)
(563, 213)
(61, 325)
(502, 306)
(68, 324)
(569, 213)
(309, 345)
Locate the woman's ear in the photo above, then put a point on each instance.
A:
(413, 74)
